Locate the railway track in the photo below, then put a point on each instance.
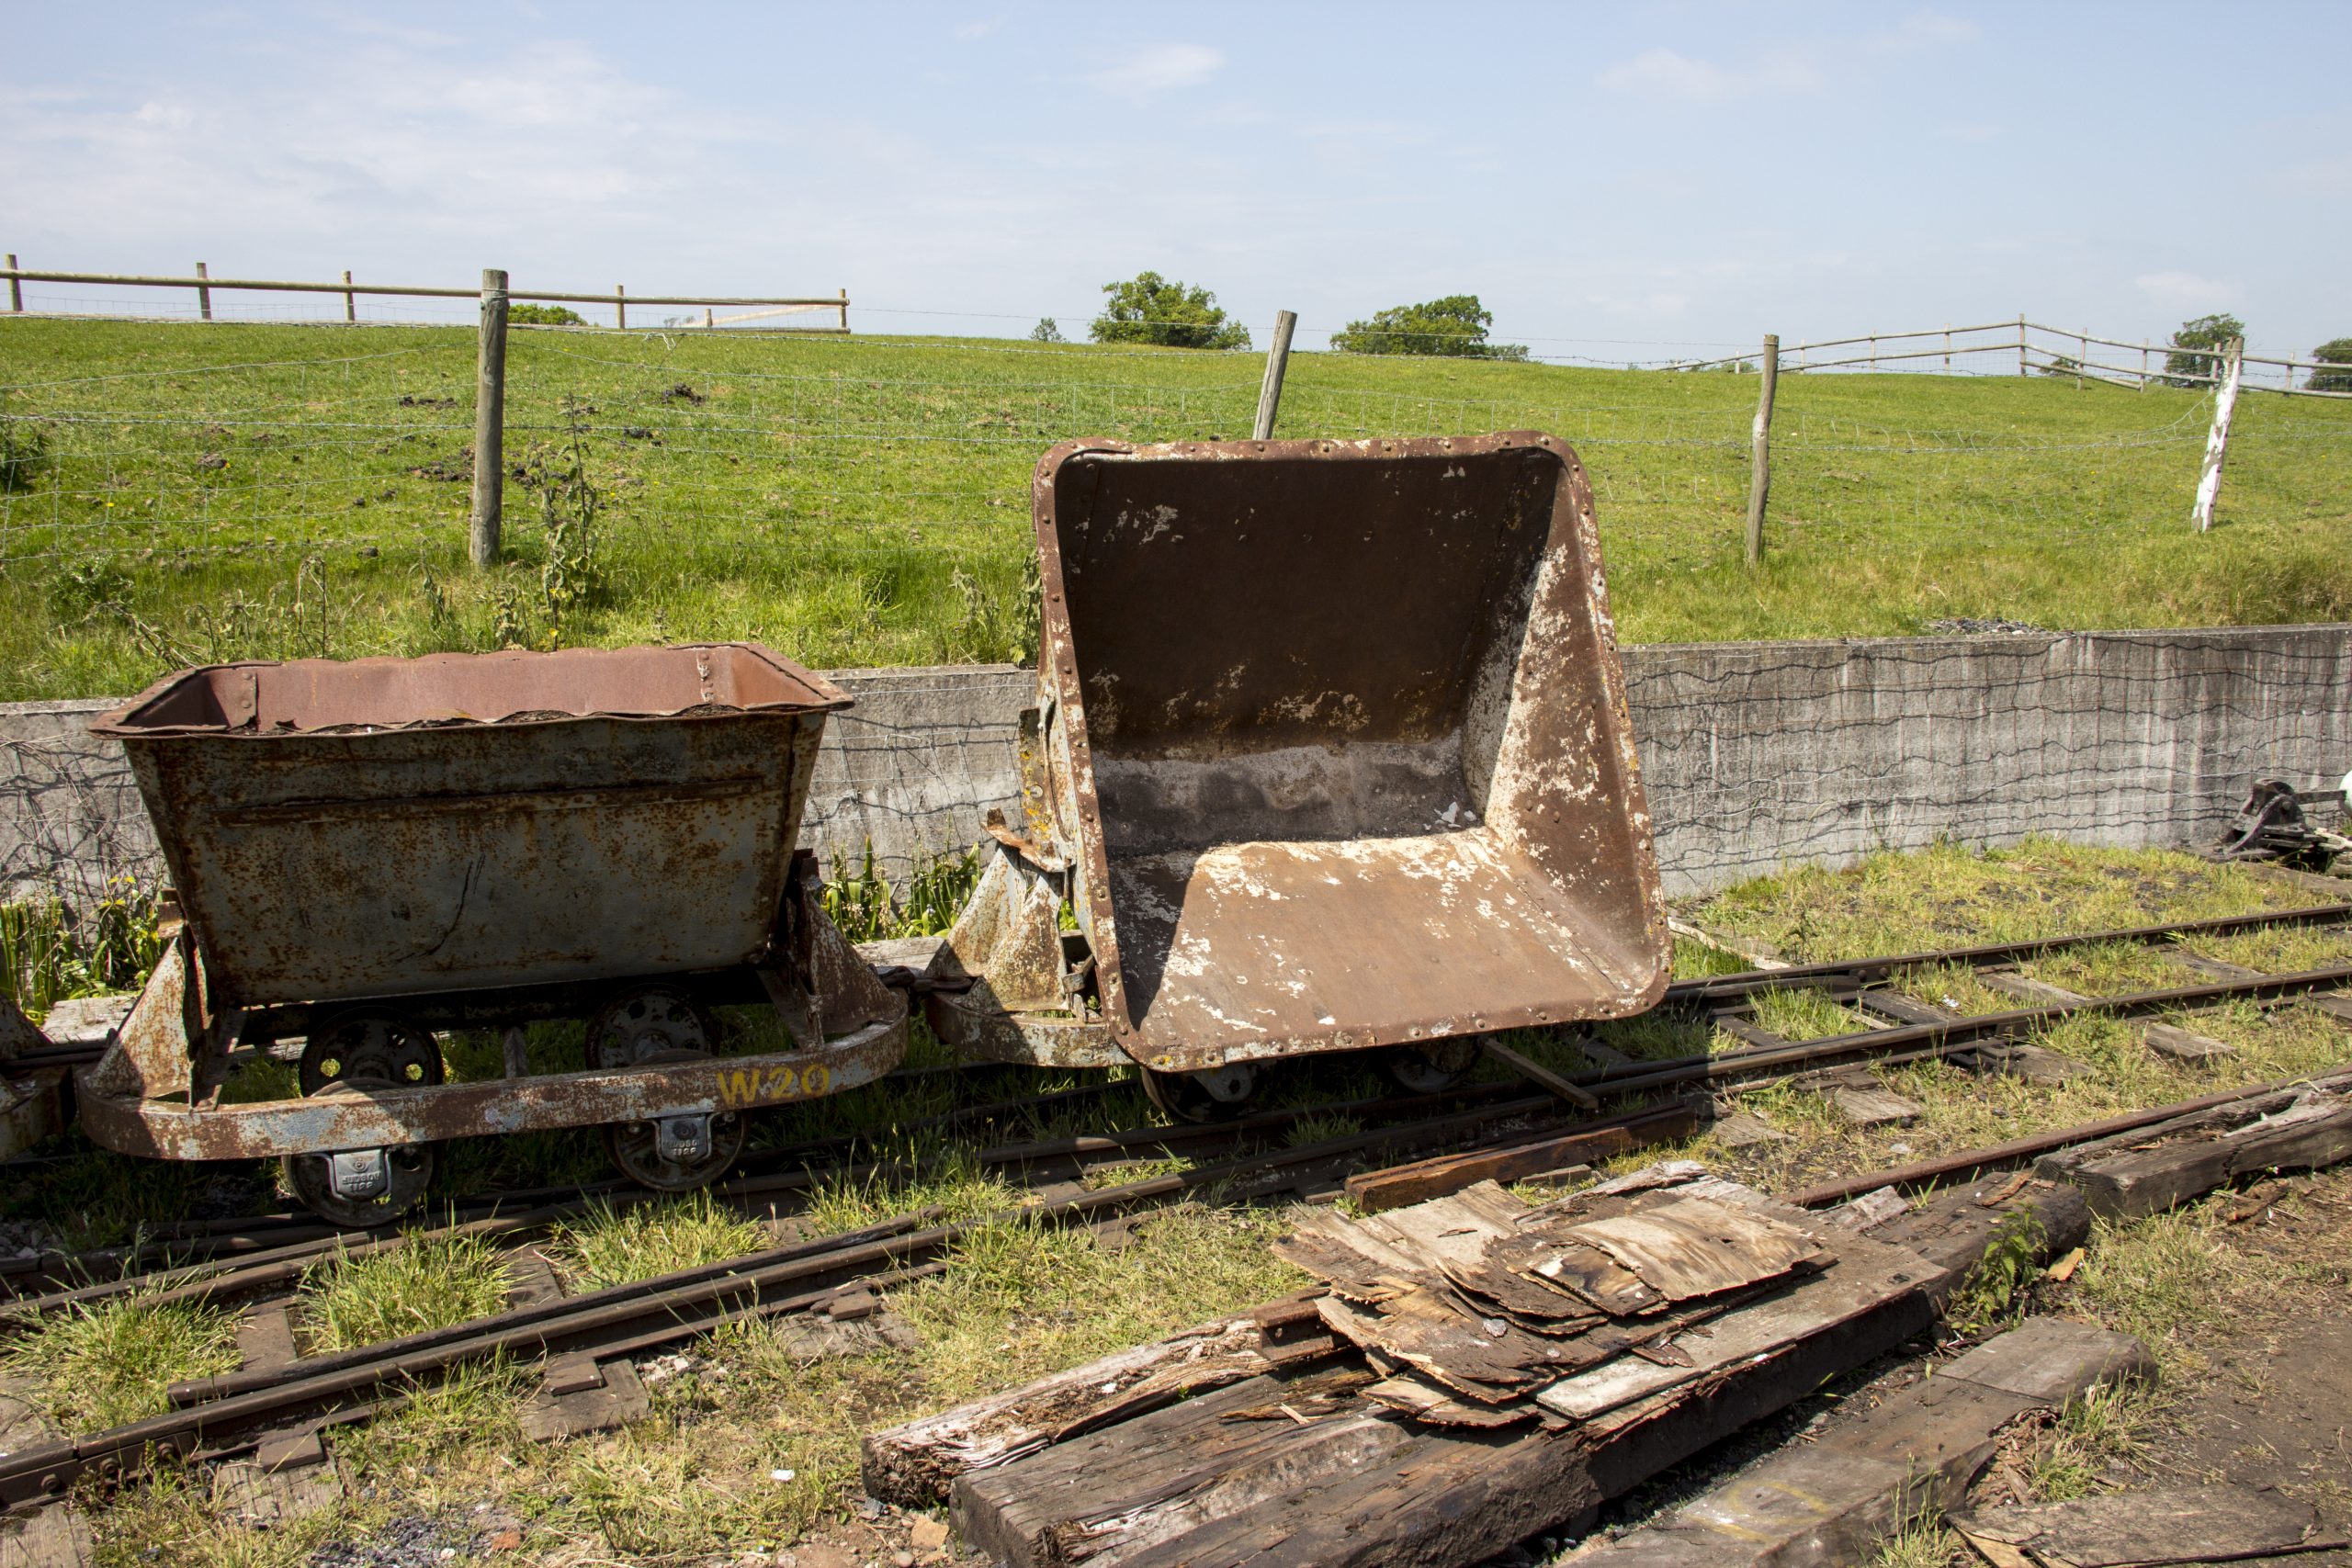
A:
(280, 1406)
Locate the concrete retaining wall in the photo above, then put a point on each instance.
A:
(1755, 755)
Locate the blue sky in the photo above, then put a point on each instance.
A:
(1615, 182)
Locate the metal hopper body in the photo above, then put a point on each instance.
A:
(366, 852)
(1332, 748)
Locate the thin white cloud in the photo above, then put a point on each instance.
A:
(1801, 67)
(1667, 73)
(969, 32)
(1922, 29)
(2185, 290)
(1160, 67)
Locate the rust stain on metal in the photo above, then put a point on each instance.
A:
(1334, 735)
(379, 848)
(387, 826)
(377, 1118)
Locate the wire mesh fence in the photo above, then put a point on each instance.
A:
(178, 492)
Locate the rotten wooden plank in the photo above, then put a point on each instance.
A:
(2141, 1530)
(2154, 1168)
(1876, 1107)
(1871, 1473)
(913, 1464)
(1399, 1185)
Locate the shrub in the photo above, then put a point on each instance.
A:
(543, 316)
(2207, 332)
(1454, 326)
(2335, 351)
(1047, 330)
(1150, 309)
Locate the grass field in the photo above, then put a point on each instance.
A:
(178, 493)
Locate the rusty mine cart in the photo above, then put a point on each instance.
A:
(1330, 753)
(366, 852)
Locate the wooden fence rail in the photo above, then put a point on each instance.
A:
(347, 287)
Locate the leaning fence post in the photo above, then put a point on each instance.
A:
(350, 301)
(2217, 443)
(15, 285)
(1270, 392)
(1759, 480)
(203, 295)
(490, 418)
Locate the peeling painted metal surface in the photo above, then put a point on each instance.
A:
(377, 1118)
(481, 840)
(1334, 736)
(381, 826)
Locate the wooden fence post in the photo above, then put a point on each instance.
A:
(203, 295)
(1270, 392)
(2021, 370)
(845, 310)
(2083, 345)
(350, 301)
(1759, 480)
(489, 419)
(620, 307)
(2217, 443)
(1947, 347)
(15, 286)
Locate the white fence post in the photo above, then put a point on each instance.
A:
(2217, 443)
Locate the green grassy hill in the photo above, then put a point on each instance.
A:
(182, 493)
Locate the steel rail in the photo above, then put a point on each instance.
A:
(1991, 1157)
(1862, 971)
(637, 1315)
(682, 1304)
(1716, 991)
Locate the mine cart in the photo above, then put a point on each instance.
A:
(1329, 753)
(364, 854)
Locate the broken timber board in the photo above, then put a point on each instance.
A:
(2129, 1529)
(1868, 1475)
(913, 1464)
(1399, 1185)
(1440, 1497)
(2155, 1168)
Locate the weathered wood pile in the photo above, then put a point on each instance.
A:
(1474, 1369)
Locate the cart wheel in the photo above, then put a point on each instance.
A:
(367, 1046)
(1218, 1094)
(1432, 1068)
(637, 1026)
(637, 1147)
(411, 1172)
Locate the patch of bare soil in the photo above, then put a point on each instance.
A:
(2276, 1408)
(2276, 1412)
